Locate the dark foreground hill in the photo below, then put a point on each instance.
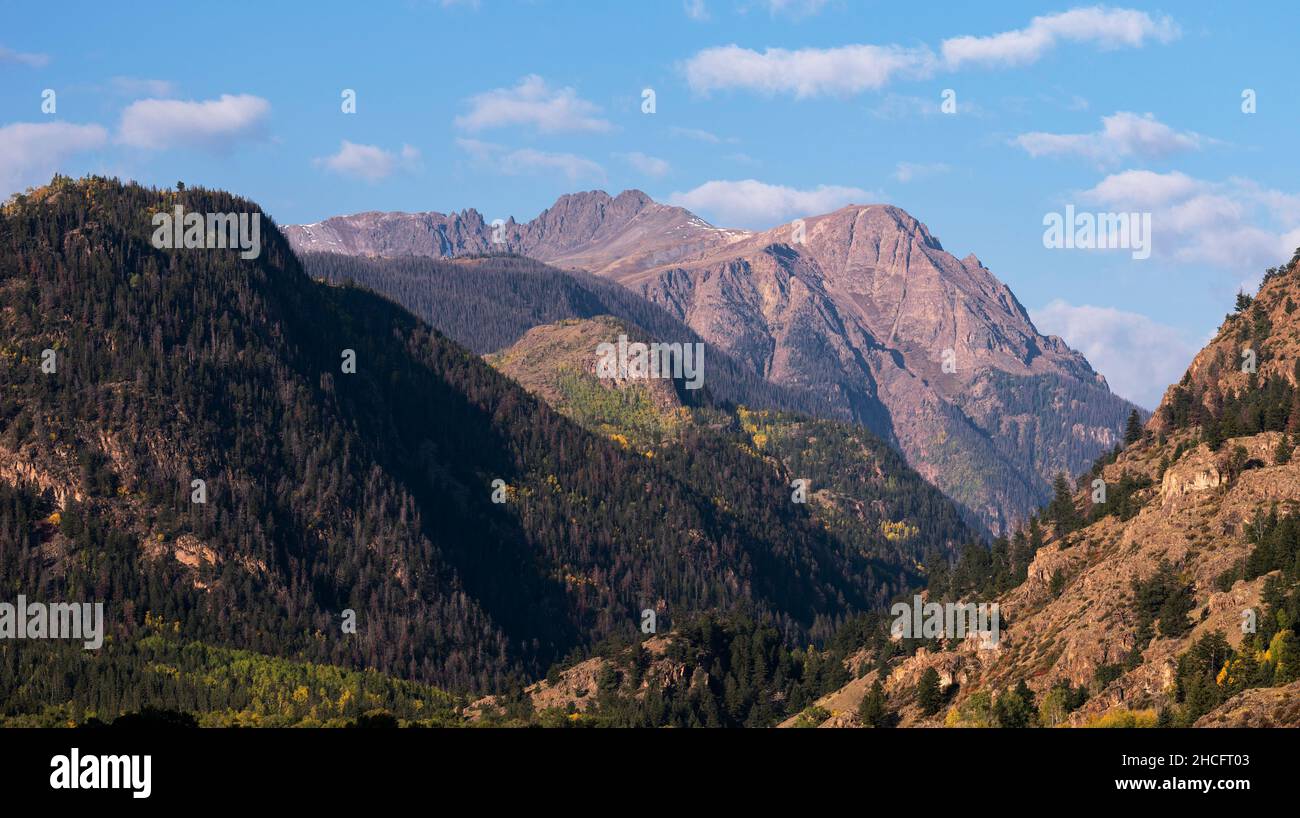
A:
(330, 491)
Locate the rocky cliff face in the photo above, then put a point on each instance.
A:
(862, 307)
(1075, 613)
(1067, 635)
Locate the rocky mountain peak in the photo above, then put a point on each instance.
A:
(862, 307)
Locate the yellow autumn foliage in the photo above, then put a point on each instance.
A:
(1126, 719)
(898, 531)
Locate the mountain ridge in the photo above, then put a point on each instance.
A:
(861, 308)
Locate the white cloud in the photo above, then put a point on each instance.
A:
(30, 153)
(757, 205)
(805, 72)
(527, 161)
(853, 69)
(696, 10)
(532, 103)
(159, 124)
(908, 171)
(1123, 135)
(1139, 357)
(1142, 188)
(1235, 225)
(648, 165)
(369, 162)
(21, 58)
(1104, 27)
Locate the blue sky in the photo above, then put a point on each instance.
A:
(765, 110)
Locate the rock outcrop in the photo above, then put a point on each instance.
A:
(1075, 613)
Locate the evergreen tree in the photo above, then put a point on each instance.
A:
(1015, 708)
(1062, 510)
(1282, 454)
(874, 710)
(928, 695)
(1213, 434)
(1133, 431)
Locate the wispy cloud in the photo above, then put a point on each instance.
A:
(132, 86)
(701, 135)
(899, 106)
(853, 69)
(30, 152)
(794, 8)
(1106, 28)
(696, 10)
(159, 124)
(528, 161)
(1123, 135)
(1140, 357)
(909, 171)
(532, 102)
(648, 165)
(8, 55)
(369, 162)
(757, 205)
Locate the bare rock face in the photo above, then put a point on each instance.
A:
(1261, 707)
(862, 307)
(395, 234)
(18, 469)
(865, 307)
(591, 231)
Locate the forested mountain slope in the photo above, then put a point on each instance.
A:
(852, 482)
(329, 491)
(487, 303)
